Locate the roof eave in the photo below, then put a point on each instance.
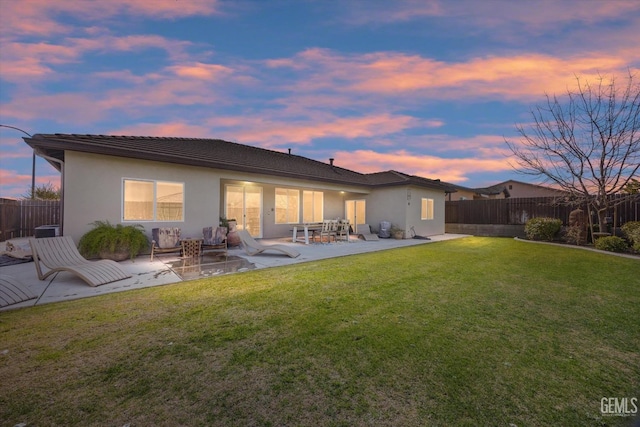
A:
(56, 149)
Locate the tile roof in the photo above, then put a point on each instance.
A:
(219, 154)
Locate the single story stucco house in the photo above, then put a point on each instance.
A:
(190, 183)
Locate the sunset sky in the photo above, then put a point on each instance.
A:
(430, 88)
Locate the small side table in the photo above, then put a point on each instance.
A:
(191, 248)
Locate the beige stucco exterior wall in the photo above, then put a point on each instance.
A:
(425, 227)
(461, 194)
(333, 202)
(93, 191)
(402, 207)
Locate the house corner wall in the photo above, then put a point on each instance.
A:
(93, 191)
(402, 207)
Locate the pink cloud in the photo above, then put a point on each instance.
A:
(16, 185)
(200, 71)
(509, 77)
(189, 84)
(38, 17)
(13, 183)
(517, 77)
(268, 132)
(454, 170)
(109, 43)
(24, 62)
(526, 16)
(548, 15)
(172, 129)
(364, 13)
(19, 154)
(78, 108)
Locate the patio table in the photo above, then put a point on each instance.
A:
(313, 227)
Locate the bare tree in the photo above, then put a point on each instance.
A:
(587, 143)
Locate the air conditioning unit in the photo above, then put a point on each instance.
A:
(47, 231)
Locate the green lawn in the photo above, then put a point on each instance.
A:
(475, 331)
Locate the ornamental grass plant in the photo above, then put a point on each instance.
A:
(106, 239)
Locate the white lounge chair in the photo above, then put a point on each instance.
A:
(61, 254)
(252, 247)
(364, 231)
(13, 292)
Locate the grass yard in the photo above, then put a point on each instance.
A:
(475, 331)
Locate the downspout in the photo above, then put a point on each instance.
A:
(61, 163)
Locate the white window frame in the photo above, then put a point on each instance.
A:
(290, 192)
(155, 200)
(427, 209)
(313, 194)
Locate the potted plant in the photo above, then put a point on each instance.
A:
(232, 234)
(117, 242)
(397, 233)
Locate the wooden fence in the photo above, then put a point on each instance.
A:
(518, 211)
(19, 218)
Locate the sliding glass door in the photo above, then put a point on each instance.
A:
(244, 204)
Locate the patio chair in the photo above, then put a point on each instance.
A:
(61, 254)
(165, 240)
(214, 239)
(329, 229)
(364, 231)
(343, 230)
(252, 247)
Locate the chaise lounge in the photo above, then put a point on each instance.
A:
(13, 292)
(252, 247)
(364, 231)
(61, 254)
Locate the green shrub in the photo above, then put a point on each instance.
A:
(542, 228)
(576, 235)
(611, 244)
(108, 238)
(631, 230)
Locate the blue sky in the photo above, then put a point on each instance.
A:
(430, 88)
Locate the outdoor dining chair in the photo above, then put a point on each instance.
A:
(329, 229)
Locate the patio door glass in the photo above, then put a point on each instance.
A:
(356, 212)
(244, 204)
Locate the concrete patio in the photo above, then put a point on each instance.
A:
(145, 273)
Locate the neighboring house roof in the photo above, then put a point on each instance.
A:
(218, 154)
(392, 177)
(519, 188)
(485, 191)
(531, 190)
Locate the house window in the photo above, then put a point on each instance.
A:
(287, 206)
(312, 206)
(427, 209)
(152, 200)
